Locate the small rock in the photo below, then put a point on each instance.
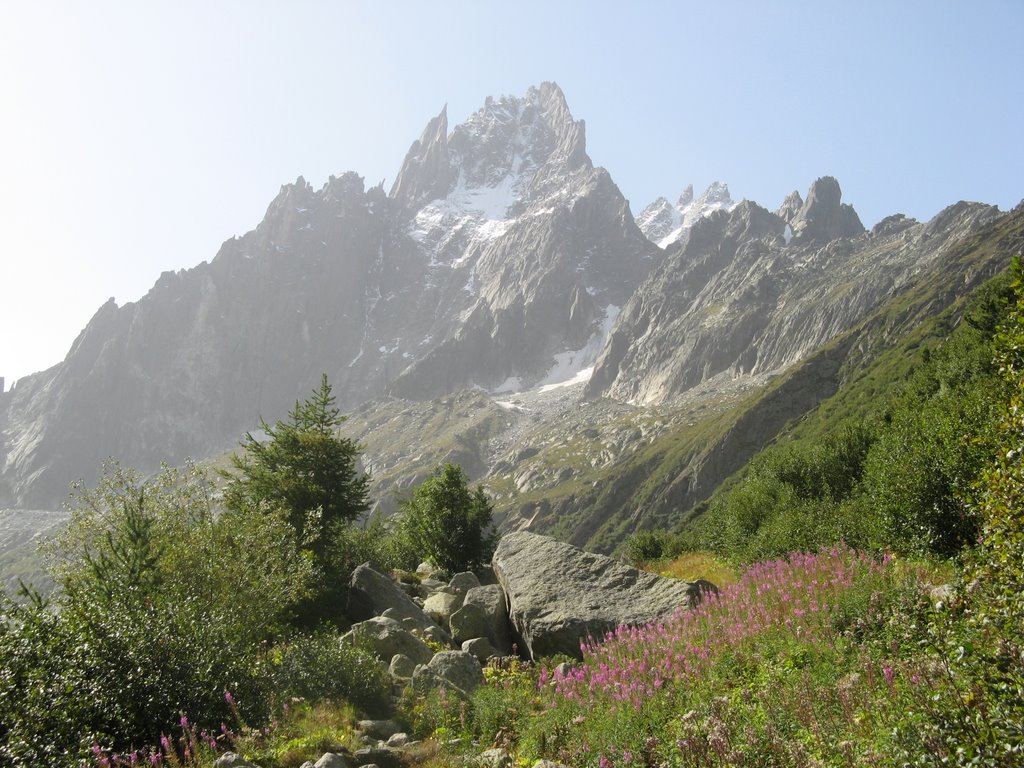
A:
(563, 669)
(437, 635)
(494, 758)
(402, 666)
(398, 740)
(547, 764)
(379, 729)
(480, 647)
(382, 756)
(332, 760)
(232, 760)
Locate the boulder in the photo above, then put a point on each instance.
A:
(378, 729)
(468, 622)
(372, 593)
(453, 669)
(332, 760)
(437, 635)
(232, 760)
(387, 637)
(491, 600)
(385, 757)
(481, 648)
(461, 583)
(441, 605)
(401, 666)
(558, 595)
(494, 758)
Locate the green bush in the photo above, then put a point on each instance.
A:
(163, 607)
(321, 666)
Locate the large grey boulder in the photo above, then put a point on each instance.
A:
(387, 638)
(481, 648)
(468, 622)
(558, 595)
(371, 593)
(491, 601)
(441, 605)
(452, 669)
(462, 582)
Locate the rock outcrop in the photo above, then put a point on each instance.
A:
(559, 595)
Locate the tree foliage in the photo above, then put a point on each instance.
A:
(898, 476)
(163, 606)
(447, 522)
(307, 473)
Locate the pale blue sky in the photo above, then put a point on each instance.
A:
(137, 136)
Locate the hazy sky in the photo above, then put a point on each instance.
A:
(137, 136)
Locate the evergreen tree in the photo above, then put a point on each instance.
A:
(306, 472)
(448, 523)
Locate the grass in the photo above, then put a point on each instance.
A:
(691, 566)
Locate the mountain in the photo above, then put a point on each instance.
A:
(499, 258)
(500, 307)
(665, 224)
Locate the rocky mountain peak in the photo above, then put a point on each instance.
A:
(790, 207)
(426, 172)
(665, 224)
(824, 216)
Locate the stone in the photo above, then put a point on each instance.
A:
(455, 669)
(401, 666)
(494, 758)
(332, 760)
(232, 760)
(437, 635)
(387, 637)
(559, 595)
(548, 764)
(385, 757)
(468, 622)
(481, 648)
(441, 605)
(398, 740)
(463, 582)
(371, 593)
(378, 729)
(491, 601)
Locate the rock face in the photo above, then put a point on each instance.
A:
(749, 293)
(501, 254)
(559, 595)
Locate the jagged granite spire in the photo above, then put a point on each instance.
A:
(426, 171)
(824, 216)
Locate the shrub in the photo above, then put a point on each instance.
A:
(321, 666)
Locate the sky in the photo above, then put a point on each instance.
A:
(136, 137)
